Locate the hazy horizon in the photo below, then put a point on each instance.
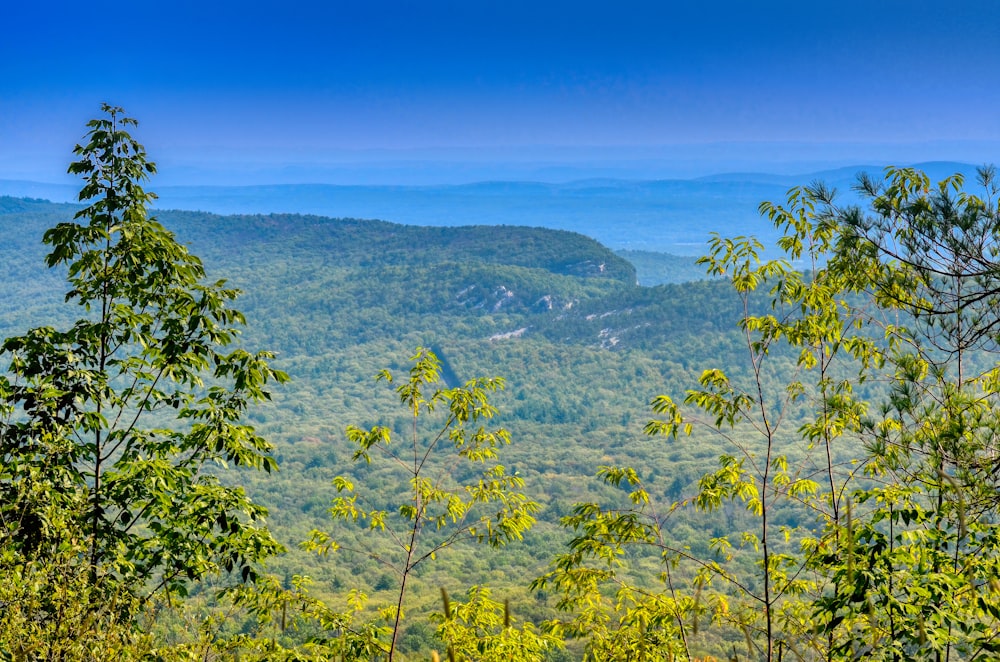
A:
(445, 92)
(547, 164)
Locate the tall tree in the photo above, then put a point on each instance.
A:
(110, 427)
(931, 509)
(875, 528)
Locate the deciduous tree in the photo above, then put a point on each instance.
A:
(114, 431)
(439, 509)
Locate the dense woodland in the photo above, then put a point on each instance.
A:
(494, 443)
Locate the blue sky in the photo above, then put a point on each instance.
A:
(224, 84)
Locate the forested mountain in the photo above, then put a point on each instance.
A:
(786, 457)
(499, 279)
(583, 349)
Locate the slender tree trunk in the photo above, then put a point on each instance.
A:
(102, 362)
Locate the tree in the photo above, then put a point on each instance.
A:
(482, 629)
(440, 508)
(873, 523)
(110, 428)
(930, 507)
(778, 484)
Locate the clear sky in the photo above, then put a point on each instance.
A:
(305, 81)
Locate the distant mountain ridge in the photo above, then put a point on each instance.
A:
(842, 177)
(670, 215)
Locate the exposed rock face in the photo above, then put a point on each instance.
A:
(517, 333)
(504, 297)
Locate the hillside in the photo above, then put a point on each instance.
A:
(496, 299)
(583, 349)
(556, 313)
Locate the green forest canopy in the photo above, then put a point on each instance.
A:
(836, 497)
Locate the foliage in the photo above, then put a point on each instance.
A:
(443, 503)
(823, 488)
(760, 474)
(625, 622)
(52, 610)
(653, 268)
(931, 507)
(482, 629)
(108, 428)
(270, 620)
(835, 552)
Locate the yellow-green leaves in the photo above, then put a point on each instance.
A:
(448, 436)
